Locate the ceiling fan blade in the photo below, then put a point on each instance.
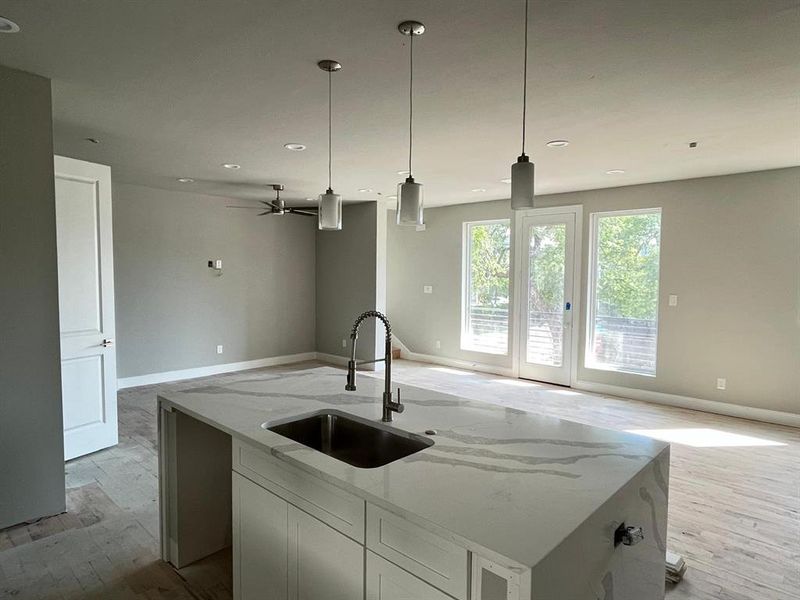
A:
(299, 211)
(248, 207)
(265, 213)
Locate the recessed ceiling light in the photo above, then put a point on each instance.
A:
(8, 26)
(403, 172)
(91, 140)
(615, 172)
(365, 190)
(478, 189)
(232, 166)
(310, 199)
(295, 147)
(506, 180)
(185, 180)
(558, 143)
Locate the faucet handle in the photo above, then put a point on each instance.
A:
(400, 407)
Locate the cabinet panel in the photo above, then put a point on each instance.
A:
(386, 581)
(424, 554)
(323, 563)
(332, 505)
(260, 545)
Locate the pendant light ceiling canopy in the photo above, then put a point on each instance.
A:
(410, 193)
(522, 171)
(329, 207)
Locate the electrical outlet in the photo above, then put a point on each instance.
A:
(438, 344)
(673, 300)
(344, 343)
(218, 264)
(427, 289)
(721, 383)
(219, 349)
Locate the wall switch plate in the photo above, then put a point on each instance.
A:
(673, 300)
(344, 343)
(218, 264)
(427, 289)
(438, 344)
(219, 349)
(721, 383)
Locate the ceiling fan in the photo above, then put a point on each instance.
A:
(278, 206)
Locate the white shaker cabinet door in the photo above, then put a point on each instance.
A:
(323, 563)
(260, 545)
(386, 581)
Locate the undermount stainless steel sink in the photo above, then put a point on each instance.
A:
(356, 441)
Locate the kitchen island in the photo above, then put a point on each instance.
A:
(504, 505)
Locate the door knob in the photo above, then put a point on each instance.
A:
(106, 343)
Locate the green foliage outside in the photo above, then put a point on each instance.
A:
(490, 259)
(628, 259)
(628, 265)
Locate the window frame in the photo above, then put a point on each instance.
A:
(591, 290)
(466, 284)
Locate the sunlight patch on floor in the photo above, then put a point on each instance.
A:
(452, 371)
(516, 382)
(704, 438)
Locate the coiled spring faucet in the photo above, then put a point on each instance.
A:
(388, 405)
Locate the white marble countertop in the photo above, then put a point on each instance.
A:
(502, 481)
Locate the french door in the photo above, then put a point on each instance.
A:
(546, 267)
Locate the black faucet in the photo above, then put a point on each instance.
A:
(388, 405)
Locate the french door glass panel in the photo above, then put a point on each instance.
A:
(546, 257)
(547, 252)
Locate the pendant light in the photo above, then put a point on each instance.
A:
(409, 193)
(329, 209)
(522, 171)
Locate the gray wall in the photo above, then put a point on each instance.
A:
(172, 310)
(351, 279)
(31, 426)
(729, 250)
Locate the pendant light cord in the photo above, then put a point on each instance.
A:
(525, 81)
(330, 126)
(410, 101)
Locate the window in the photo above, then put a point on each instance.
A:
(623, 291)
(486, 251)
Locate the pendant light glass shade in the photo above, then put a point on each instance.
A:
(329, 211)
(522, 175)
(409, 202)
(522, 171)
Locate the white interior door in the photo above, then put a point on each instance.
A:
(546, 259)
(86, 305)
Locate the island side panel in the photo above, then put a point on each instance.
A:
(587, 566)
(195, 462)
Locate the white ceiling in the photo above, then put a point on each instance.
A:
(175, 88)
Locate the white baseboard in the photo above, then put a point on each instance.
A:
(333, 359)
(709, 406)
(153, 378)
(458, 364)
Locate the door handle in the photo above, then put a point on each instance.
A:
(106, 343)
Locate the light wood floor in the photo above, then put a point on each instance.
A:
(734, 511)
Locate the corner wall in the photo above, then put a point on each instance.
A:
(172, 310)
(730, 249)
(350, 279)
(31, 425)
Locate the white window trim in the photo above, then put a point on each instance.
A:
(466, 283)
(594, 219)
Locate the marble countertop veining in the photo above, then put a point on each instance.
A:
(497, 479)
